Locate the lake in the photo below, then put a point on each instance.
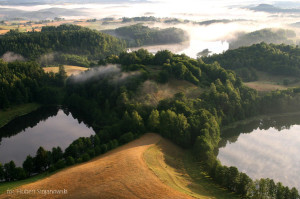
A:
(191, 48)
(47, 127)
(267, 148)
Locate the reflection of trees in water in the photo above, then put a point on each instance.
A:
(30, 120)
(278, 122)
(80, 118)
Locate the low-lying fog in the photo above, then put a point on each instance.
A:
(213, 36)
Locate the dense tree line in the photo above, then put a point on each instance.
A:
(273, 59)
(275, 36)
(139, 35)
(23, 82)
(81, 150)
(139, 19)
(69, 39)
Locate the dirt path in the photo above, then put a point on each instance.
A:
(121, 173)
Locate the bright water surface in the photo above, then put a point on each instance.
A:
(47, 128)
(268, 148)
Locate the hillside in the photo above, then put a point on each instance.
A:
(139, 35)
(275, 36)
(114, 175)
(275, 60)
(68, 39)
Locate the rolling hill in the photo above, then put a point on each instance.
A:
(122, 173)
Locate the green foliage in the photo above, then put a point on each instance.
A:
(60, 164)
(127, 137)
(29, 165)
(273, 59)
(23, 82)
(1, 172)
(57, 154)
(175, 127)
(9, 171)
(139, 35)
(69, 39)
(153, 121)
(41, 159)
(85, 157)
(70, 161)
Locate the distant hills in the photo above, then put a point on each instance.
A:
(40, 2)
(276, 36)
(50, 13)
(272, 9)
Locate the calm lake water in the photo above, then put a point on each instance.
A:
(267, 148)
(47, 127)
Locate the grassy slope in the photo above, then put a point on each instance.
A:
(16, 111)
(176, 168)
(152, 92)
(267, 82)
(71, 70)
(12, 185)
(120, 173)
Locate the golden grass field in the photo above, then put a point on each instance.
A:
(176, 168)
(71, 70)
(120, 173)
(123, 173)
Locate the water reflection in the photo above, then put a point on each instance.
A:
(266, 148)
(48, 127)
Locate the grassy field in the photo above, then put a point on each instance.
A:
(151, 92)
(267, 82)
(71, 70)
(149, 167)
(4, 186)
(120, 173)
(176, 168)
(16, 111)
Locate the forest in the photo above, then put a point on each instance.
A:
(139, 35)
(107, 102)
(67, 39)
(24, 82)
(270, 58)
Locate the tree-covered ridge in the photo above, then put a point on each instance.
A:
(171, 65)
(273, 59)
(138, 35)
(275, 36)
(23, 82)
(104, 96)
(191, 123)
(68, 39)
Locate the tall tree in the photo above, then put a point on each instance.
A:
(28, 165)
(41, 159)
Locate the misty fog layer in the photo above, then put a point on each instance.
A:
(266, 154)
(237, 15)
